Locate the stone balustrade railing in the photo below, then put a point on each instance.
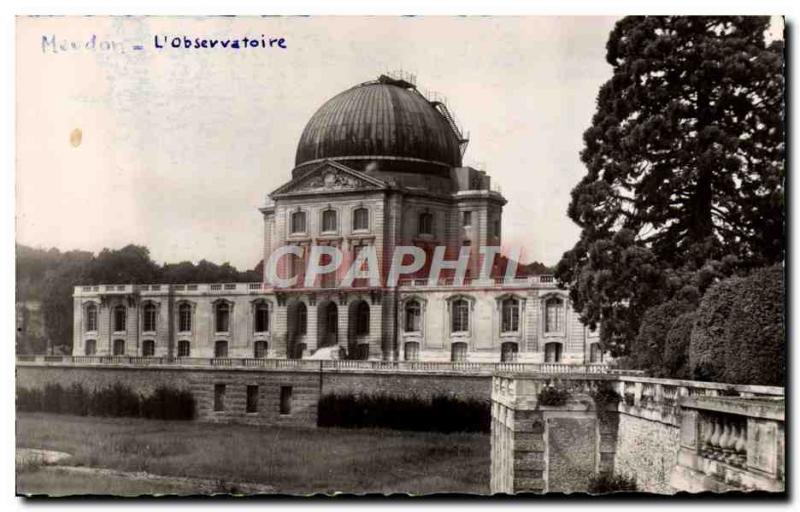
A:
(724, 438)
(466, 367)
(637, 394)
(238, 288)
(731, 443)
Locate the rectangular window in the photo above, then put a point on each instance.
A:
(185, 318)
(252, 399)
(466, 219)
(329, 220)
(425, 226)
(219, 397)
(360, 219)
(184, 348)
(460, 316)
(298, 222)
(286, 400)
(510, 313)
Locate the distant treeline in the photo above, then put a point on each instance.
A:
(50, 275)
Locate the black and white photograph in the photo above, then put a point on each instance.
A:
(512, 256)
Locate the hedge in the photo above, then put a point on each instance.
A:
(756, 330)
(650, 345)
(439, 414)
(117, 400)
(708, 339)
(675, 363)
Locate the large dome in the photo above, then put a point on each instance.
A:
(386, 124)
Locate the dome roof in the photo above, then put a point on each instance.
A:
(387, 121)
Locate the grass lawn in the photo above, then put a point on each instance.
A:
(291, 460)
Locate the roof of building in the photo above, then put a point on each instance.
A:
(383, 120)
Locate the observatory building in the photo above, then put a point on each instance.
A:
(378, 167)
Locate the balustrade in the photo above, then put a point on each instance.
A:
(724, 438)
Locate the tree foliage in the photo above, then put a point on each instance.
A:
(685, 167)
(659, 322)
(708, 337)
(755, 352)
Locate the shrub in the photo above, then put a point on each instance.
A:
(53, 398)
(29, 400)
(755, 352)
(708, 339)
(76, 400)
(169, 404)
(440, 414)
(605, 483)
(115, 401)
(651, 342)
(553, 396)
(605, 394)
(675, 361)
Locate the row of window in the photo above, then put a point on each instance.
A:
(222, 315)
(252, 400)
(459, 317)
(508, 352)
(260, 348)
(329, 221)
(509, 315)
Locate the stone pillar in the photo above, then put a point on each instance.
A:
(547, 448)
(343, 319)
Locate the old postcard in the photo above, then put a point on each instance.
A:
(400, 255)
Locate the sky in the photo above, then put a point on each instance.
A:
(178, 148)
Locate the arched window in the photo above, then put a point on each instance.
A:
(120, 318)
(360, 219)
(149, 317)
(508, 352)
(595, 354)
(185, 317)
(413, 316)
(425, 226)
(148, 348)
(411, 351)
(298, 222)
(362, 319)
(552, 352)
(554, 313)
(329, 221)
(302, 319)
(510, 315)
(119, 347)
(221, 349)
(222, 317)
(459, 316)
(184, 348)
(90, 348)
(260, 349)
(91, 318)
(458, 352)
(261, 317)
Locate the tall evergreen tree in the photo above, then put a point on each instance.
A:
(685, 160)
